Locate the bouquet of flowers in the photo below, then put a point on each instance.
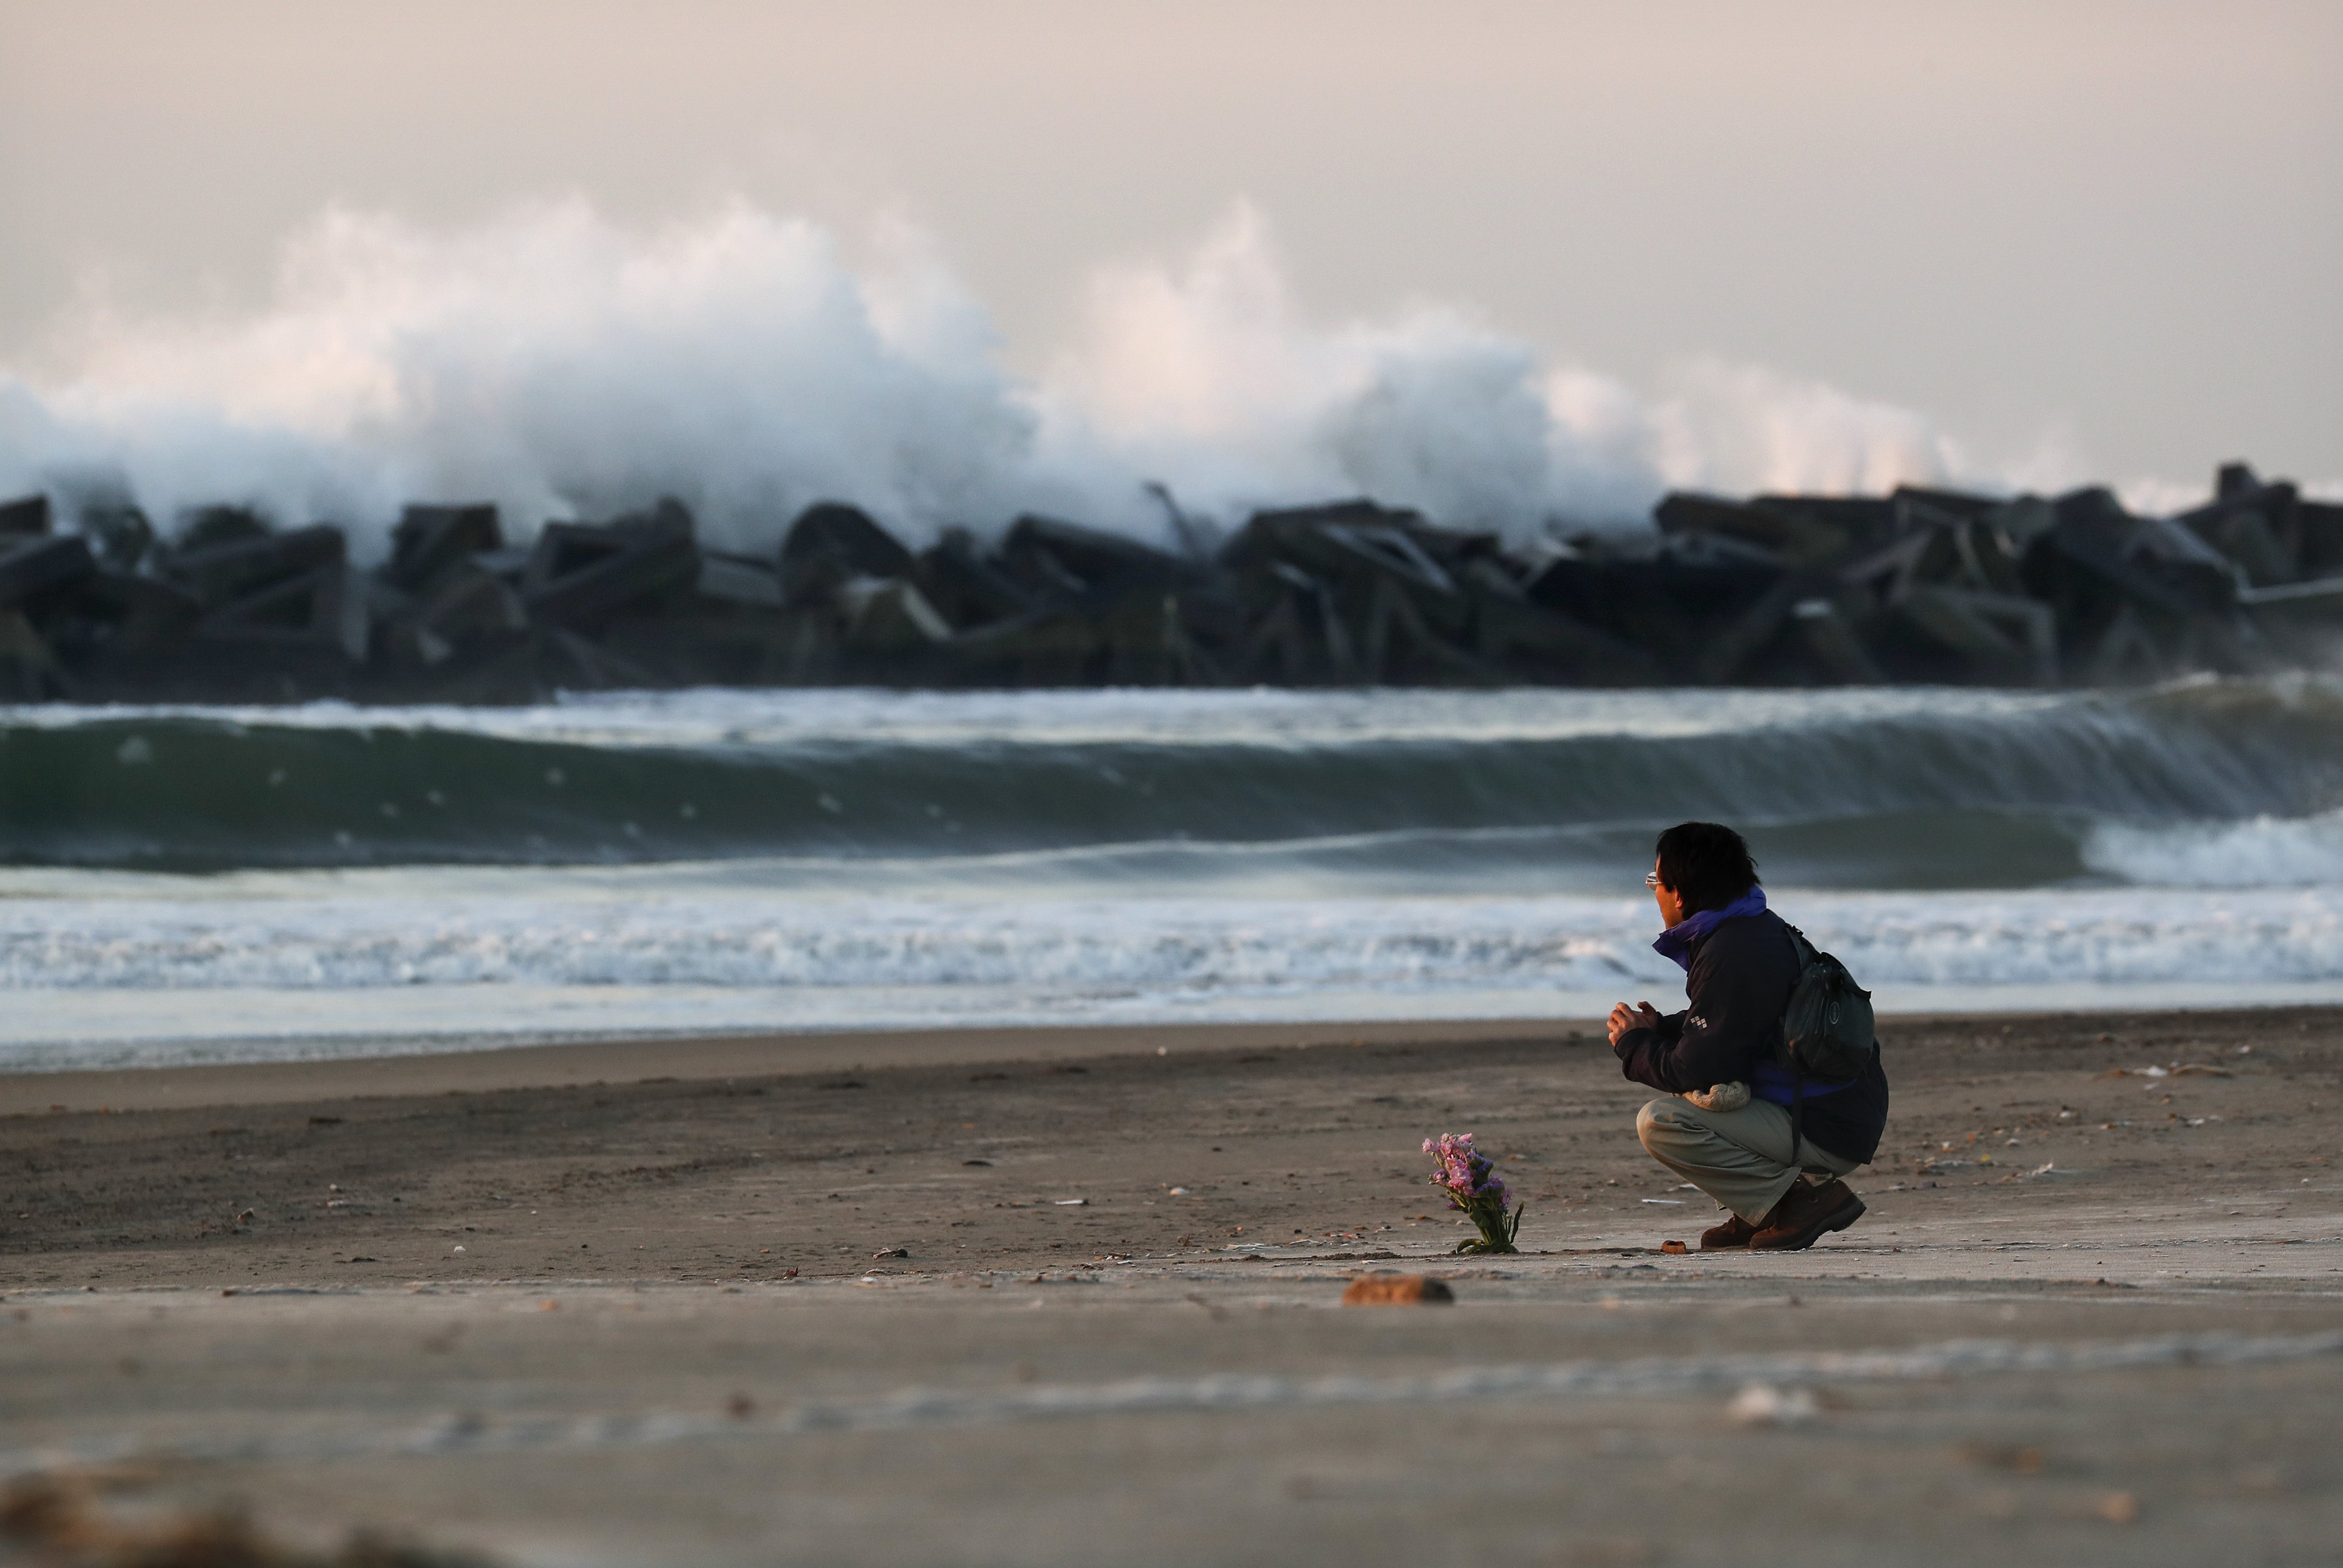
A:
(1474, 1188)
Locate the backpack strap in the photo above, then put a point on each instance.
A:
(1803, 950)
(1797, 1115)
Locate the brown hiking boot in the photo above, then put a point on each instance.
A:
(1805, 1215)
(1733, 1235)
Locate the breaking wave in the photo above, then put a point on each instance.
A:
(2220, 783)
(2262, 851)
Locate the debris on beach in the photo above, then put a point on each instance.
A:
(225, 604)
(1763, 1404)
(1396, 1290)
(61, 1520)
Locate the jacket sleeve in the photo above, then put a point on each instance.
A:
(1732, 1020)
(1643, 1053)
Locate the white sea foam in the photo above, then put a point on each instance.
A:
(2260, 852)
(90, 962)
(562, 365)
(1258, 715)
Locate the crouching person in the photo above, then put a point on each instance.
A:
(1726, 1122)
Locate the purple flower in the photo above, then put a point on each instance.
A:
(1465, 1170)
(1474, 1189)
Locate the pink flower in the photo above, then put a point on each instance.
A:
(1474, 1187)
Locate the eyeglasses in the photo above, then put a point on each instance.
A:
(1651, 879)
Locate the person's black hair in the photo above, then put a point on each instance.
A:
(1706, 863)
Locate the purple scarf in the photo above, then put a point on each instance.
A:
(1677, 941)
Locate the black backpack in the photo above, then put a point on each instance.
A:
(1826, 1030)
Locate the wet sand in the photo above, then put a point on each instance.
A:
(930, 1299)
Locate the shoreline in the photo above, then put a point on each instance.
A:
(708, 1056)
(704, 1056)
(73, 1042)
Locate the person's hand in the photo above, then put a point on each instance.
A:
(1643, 1015)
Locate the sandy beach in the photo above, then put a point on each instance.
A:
(1037, 1297)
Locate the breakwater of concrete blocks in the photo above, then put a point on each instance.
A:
(1925, 585)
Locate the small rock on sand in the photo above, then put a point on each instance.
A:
(1396, 1290)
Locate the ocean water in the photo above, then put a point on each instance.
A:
(211, 884)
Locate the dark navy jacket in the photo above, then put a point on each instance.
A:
(1739, 984)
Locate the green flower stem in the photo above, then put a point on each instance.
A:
(1497, 1229)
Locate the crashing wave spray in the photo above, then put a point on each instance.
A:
(563, 366)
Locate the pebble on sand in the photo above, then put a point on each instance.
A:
(1763, 1404)
(1396, 1290)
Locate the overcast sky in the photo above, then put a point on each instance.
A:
(2118, 228)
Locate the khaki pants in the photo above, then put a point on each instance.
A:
(1740, 1158)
